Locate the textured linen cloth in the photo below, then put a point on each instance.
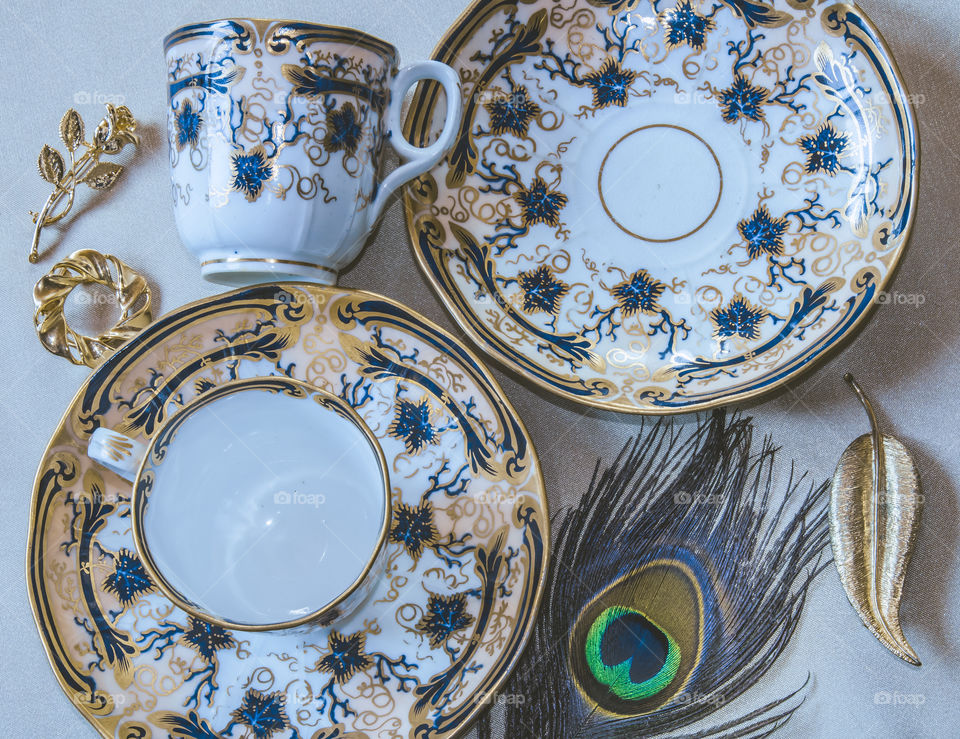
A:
(55, 55)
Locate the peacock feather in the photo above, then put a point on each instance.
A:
(677, 582)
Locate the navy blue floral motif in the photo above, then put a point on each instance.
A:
(541, 204)
(263, 713)
(129, 580)
(824, 149)
(250, 171)
(639, 294)
(187, 123)
(412, 425)
(610, 84)
(743, 100)
(686, 26)
(413, 527)
(512, 113)
(206, 638)
(446, 614)
(542, 291)
(763, 233)
(343, 130)
(347, 656)
(739, 318)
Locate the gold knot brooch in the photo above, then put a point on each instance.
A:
(89, 267)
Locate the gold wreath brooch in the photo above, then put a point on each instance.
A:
(89, 267)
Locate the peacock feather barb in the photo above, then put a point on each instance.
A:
(677, 581)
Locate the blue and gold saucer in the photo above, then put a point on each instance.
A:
(658, 206)
(465, 555)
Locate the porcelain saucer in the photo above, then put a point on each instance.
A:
(465, 556)
(658, 206)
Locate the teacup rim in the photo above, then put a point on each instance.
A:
(136, 514)
(367, 40)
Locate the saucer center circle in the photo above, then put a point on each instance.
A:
(660, 183)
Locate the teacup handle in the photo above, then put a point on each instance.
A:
(418, 159)
(116, 452)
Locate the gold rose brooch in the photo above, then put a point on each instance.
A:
(114, 132)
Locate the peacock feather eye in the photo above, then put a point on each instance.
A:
(636, 644)
(631, 654)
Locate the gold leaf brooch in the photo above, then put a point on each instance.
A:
(874, 515)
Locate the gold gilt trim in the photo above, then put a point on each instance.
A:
(266, 260)
(268, 28)
(118, 448)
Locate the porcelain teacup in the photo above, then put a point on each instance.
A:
(262, 504)
(277, 132)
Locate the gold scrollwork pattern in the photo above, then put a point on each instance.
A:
(327, 102)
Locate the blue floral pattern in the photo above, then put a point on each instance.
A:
(412, 425)
(743, 100)
(187, 124)
(684, 25)
(250, 171)
(346, 656)
(739, 318)
(512, 113)
(413, 527)
(343, 130)
(639, 294)
(542, 291)
(299, 109)
(445, 616)
(207, 638)
(540, 203)
(263, 713)
(129, 580)
(824, 149)
(610, 84)
(763, 233)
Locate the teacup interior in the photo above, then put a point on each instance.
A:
(265, 507)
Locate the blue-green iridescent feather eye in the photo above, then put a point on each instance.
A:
(631, 654)
(636, 644)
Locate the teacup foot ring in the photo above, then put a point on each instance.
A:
(239, 271)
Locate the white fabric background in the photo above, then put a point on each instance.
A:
(54, 55)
